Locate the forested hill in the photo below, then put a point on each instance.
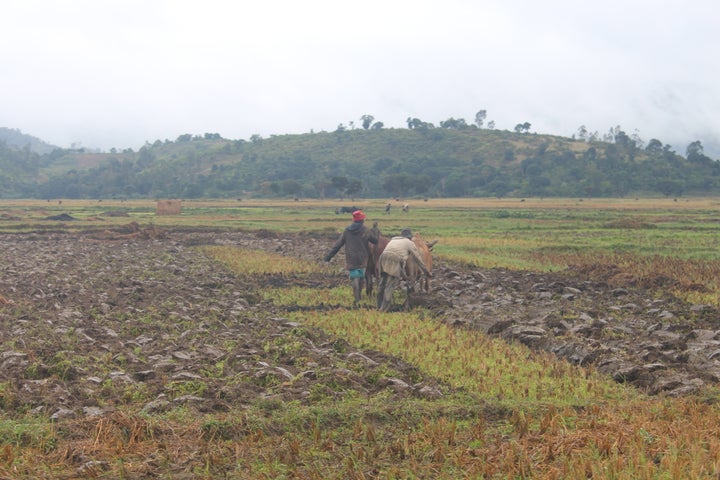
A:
(419, 161)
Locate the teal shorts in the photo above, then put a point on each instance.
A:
(357, 273)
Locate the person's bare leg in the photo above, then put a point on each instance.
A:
(357, 289)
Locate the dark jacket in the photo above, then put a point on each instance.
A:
(355, 238)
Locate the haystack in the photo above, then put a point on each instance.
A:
(168, 207)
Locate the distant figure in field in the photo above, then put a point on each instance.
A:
(405, 207)
(387, 208)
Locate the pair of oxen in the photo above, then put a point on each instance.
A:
(413, 272)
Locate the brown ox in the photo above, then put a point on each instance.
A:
(413, 270)
(372, 272)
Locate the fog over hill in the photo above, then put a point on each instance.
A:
(16, 138)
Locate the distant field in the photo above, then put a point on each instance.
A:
(675, 237)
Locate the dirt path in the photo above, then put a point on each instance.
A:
(88, 323)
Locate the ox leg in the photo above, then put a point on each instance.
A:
(368, 282)
(423, 283)
(409, 290)
(368, 274)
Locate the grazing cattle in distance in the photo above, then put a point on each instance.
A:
(340, 210)
(412, 269)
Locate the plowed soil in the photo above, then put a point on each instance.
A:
(91, 321)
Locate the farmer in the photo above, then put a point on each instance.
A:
(357, 251)
(392, 266)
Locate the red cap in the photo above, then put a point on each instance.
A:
(358, 216)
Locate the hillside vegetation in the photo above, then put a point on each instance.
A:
(371, 163)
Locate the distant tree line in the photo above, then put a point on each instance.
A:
(456, 159)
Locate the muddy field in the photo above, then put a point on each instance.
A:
(88, 322)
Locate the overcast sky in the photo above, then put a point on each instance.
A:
(119, 73)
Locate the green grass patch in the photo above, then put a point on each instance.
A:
(493, 369)
(303, 297)
(254, 262)
(490, 368)
(28, 432)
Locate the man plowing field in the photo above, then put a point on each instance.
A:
(393, 262)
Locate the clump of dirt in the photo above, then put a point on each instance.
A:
(131, 231)
(115, 213)
(63, 217)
